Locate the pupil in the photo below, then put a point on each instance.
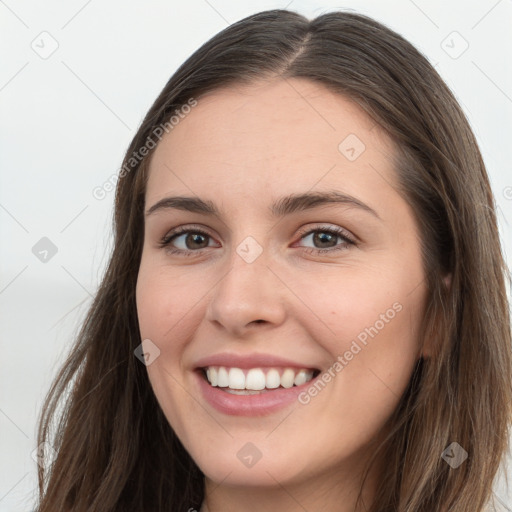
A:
(195, 239)
(324, 237)
(319, 238)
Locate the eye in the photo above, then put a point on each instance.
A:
(193, 240)
(327, 238)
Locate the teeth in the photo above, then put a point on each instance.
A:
(273, 379)
(287, 378)
(256, 379)
(236, 378)
(223, 377)
(211, 375)
(244, 391)
(301, 378)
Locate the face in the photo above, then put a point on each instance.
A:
(296, 264)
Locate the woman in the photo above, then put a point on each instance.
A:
(262, 369)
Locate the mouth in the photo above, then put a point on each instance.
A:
(256, 381)
(252, 384)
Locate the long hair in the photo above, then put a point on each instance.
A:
(116, 450)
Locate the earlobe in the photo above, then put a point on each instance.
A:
(428, 347)
(425, 353)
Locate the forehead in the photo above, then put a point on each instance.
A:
(269, 138)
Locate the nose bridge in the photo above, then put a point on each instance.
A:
(249, 291)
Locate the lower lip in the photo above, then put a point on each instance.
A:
(249, 405)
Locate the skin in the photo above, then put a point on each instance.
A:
(243, 148)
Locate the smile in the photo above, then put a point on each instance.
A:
(254, 384)
(257, 391)
(256, 380)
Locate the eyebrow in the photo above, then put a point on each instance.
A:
(283, 206)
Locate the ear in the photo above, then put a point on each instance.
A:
(430, 344)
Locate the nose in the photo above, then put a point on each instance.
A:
(248, 294)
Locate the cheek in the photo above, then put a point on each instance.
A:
(165, 305)
(363, 305)
(380, 354)
(370, 326)
(163, 315)
(379, 374)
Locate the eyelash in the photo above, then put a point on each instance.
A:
(167, 239)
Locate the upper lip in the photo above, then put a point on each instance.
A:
(232, 360)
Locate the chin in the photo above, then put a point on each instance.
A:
(232, 465)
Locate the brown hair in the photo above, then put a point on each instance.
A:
(116, 450)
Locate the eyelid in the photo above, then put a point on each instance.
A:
(349, 239)
(302, 231)
(180, 230)
(332, 228)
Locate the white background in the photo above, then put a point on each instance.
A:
(67, 119)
